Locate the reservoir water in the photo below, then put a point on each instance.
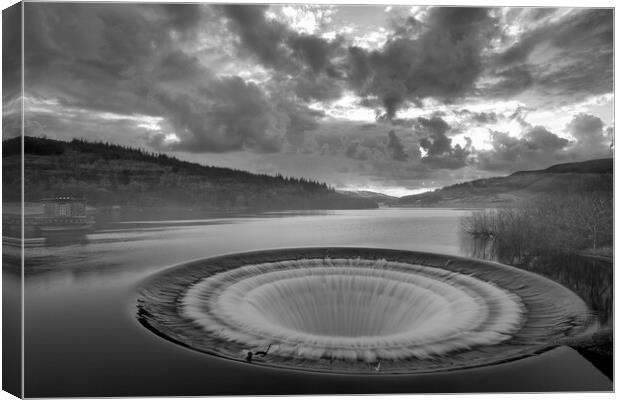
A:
(82, 337)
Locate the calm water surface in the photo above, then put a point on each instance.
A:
(82, 337)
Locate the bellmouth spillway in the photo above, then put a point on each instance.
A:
(360, 310)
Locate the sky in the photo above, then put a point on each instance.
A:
(395, 99)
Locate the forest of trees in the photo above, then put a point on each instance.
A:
(110, 174)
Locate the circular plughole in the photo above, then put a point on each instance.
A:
(360, 310)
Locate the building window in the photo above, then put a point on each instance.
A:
(64, 210)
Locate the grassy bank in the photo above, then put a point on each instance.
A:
(577, 222)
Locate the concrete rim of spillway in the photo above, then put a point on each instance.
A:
(472, 312)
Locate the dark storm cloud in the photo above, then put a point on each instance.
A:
(433, 135)
(94, 55)
(320, 88)
(580, 47)
(11, 71)
(582, 29)
(359, 69)
(590, 75)
(357, 151)
(311, 49)
(537, 148)
(178, 66)
(396, 147)
(456, 158)
(120, 58)
(306, 58)
(592, 139)
(276, 45)
(442, 62)
(539, 138)
(178, 63)
(540, 13)
(438, 146)
(519, 115)
(585, 127)
(11, 124)
(370, 102)
(63, 125)
(299, 120)
(349, 145)
(479, 117)
(436, 143)
(227, 114)
(11, 52)
(262, 38)
(365, 142)
(512, 81)
(182, 17)
(370, 126)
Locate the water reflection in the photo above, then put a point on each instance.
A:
(65, 240)
(590, 278)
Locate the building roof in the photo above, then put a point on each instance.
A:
(63, 199)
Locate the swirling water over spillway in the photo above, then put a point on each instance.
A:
(360, 310)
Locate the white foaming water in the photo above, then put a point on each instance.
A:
(352, 309)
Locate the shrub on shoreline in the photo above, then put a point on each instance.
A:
(558, 223)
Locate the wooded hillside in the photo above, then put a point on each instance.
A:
(109, 174)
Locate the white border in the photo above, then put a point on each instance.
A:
(527, 3)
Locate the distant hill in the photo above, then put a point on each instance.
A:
(599, 166)
(374, 196)
(570, 177)
(113, 175)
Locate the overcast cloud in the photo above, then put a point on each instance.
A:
(389, 98)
